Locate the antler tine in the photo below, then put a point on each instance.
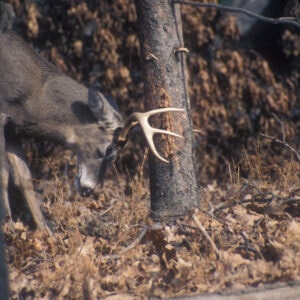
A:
(149, 131)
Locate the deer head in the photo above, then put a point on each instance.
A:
(93, 142)
(93, 164)
(89, 173)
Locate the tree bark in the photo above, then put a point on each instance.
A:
(173, 186)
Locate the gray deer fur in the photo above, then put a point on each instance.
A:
(39, 101)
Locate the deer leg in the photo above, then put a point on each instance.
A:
(4, 174)
(22, 179)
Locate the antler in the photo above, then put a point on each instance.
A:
(142, 119)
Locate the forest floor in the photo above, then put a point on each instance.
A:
(245, 235)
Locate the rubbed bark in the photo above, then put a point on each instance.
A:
(173, 186)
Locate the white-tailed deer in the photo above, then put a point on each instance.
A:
(37, 100)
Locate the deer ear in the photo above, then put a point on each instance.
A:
(95, 104)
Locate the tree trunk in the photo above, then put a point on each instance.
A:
(173, 186)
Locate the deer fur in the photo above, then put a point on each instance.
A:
(39, 101)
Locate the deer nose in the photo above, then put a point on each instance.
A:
(85, 191)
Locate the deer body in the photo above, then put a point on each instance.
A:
(38, 100)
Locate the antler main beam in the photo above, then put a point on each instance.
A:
(149, 131)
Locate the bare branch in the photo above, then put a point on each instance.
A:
(284, 20)
(206, 235)
(283, 141)
(282, 127)
(130, 246)
(289, 147)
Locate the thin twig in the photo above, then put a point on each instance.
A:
(105, 211)
(259, 198)
(206, 235)
(248, 246)
(283, 141)
(251, 249)
(130, 246)
(293, 150)
(282, 127)
(284, 20)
